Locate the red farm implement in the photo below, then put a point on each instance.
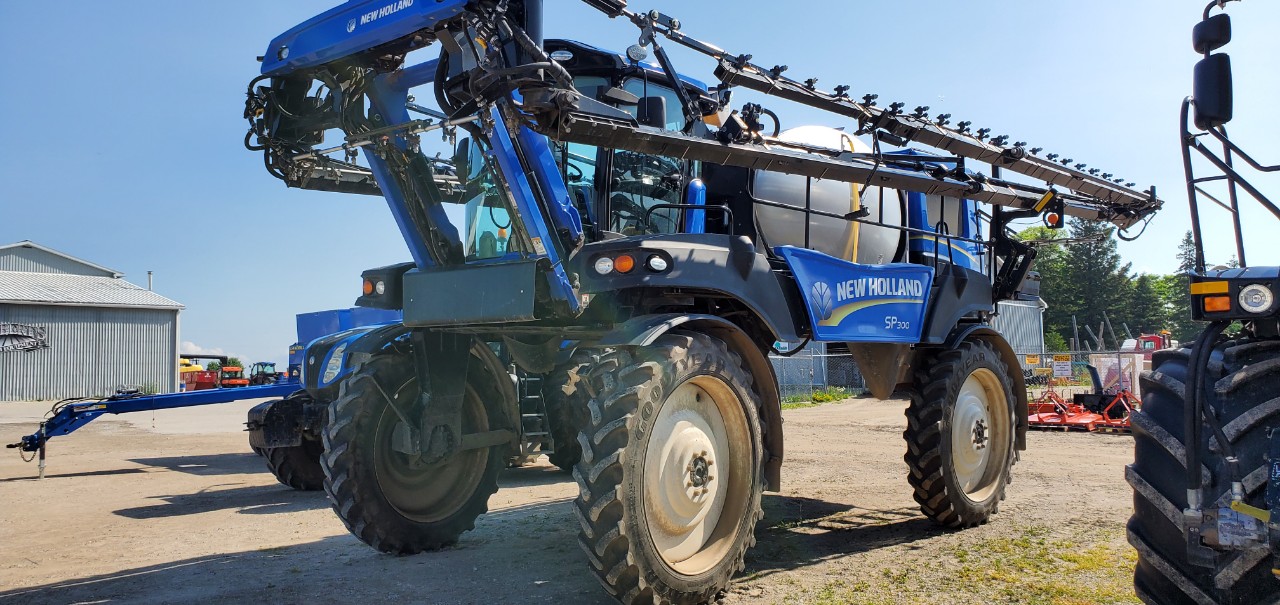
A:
(1104, 410)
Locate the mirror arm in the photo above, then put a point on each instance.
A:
(1222, 136)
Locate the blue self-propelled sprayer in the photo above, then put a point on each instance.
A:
(620, 231)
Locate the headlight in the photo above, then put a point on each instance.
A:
(656, 263)
(1256, 298)
(334, 366)
(604, 265)
(380, 288)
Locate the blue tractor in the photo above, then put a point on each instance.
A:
(622, 230)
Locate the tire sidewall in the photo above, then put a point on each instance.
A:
(671, 378)
(976, 358)
(394, 374)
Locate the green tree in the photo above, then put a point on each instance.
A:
(1094, 281)
(1178, 292)
(1148, 310)
(1050, 263)
(235, 361)
(213, 366)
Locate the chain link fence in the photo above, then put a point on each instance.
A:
(814, 375)
(1067, 372)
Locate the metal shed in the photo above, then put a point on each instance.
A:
(69, 327)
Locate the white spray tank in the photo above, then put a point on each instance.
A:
(846, 240)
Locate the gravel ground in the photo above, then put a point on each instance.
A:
(172, 507)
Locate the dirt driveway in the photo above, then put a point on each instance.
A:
(174, 508)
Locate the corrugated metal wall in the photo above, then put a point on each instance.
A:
(1022, 324)
(34, 260)
(91, 352)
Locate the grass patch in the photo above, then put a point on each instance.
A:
(1032, 567)
(1036, 569)
(816, 398)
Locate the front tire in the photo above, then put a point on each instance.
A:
(392, 501)
(1242, 382)
(959, 435)
(671, 472)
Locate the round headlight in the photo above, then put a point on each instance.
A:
(656, 263)
(380, 287)
(604, 265)
(1256, 298)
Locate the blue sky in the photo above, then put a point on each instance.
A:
(123, 125)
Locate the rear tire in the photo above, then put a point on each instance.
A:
(297, 466)
(394, 501)
(1242, 385)
(566, 397)
(960, 427)
(671, 471)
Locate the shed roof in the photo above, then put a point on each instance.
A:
(26, 243)
(21, 287)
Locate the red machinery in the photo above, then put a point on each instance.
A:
(1098, 411)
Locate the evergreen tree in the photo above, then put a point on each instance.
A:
(1050, 263)
(1148, 311)
(1095, 281)
(1178, 292)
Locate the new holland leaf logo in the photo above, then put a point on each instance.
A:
(821, 301)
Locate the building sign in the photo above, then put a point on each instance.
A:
(21, 337)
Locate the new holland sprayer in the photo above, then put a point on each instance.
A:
(623, 231)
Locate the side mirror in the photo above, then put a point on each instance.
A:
(652, 111)
(1212, 91)
(462, 158)
(1211, 34)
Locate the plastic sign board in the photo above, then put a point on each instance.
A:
(848, 302)
(1033, 360)
(1062, 366)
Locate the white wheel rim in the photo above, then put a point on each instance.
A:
(691, 481)
(979, 428)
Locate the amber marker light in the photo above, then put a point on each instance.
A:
(624, 263)
(1217, 304)
(368, 287)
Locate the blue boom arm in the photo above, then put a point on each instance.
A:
(75, 415)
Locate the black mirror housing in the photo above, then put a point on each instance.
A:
(1212, 91)
(653, 112)
(1211, 34)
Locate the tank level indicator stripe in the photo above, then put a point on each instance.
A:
(841, 313)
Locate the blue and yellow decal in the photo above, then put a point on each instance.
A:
(848, 302)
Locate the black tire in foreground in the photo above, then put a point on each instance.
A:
(960, 434)
(298, 466)
(1243, 390)
(396, 502)
(565, 394)
(671, 471)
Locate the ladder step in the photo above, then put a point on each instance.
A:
(537, 434)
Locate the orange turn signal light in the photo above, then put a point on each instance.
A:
(368, 287)
(1053, 219)
(624, 263)
(1217, 304)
